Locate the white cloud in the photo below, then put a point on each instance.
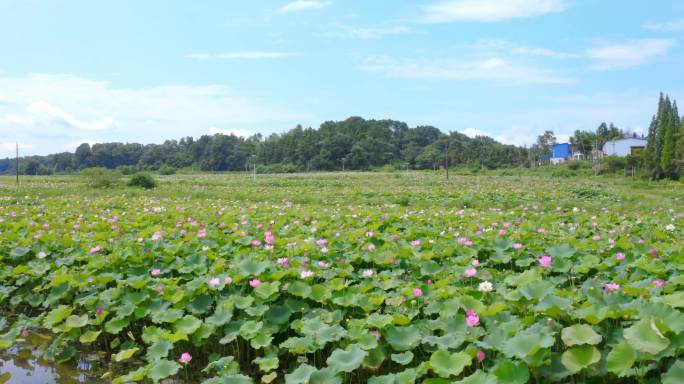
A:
(41, 112)
(629, 54)
(52, 111)
(246, 55)
(489, 10)
(495, 69)
(669, 26)
(235, 132)
(368, 33)
(498, 46)
(7, 147)
(301, 5)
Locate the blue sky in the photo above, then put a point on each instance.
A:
(146, 71)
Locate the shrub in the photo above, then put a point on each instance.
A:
(144, 180)
(166, 170)
(98, 177)
(127, 169)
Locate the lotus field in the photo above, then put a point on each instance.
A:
(349, 278)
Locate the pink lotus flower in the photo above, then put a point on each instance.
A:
(202, 234)
(321, 242)
(545, 262)
(269, 238)
(185, 358)
(417, 292)
(470, 272)
(376, 334)
(620, 256)
(155, 272)
(157, 236)
(653, 252)
(96, 249)
(517, 246)
(371, 247)
(502, 232)
(283, 262)
(472, 319)
(99, 312)
(214, 282)
(475, 262)
(25, 333)
(256, 243)
(254, 283)
(596, 237)
(480, 356)
(611, 287)
(395, 237)
(183, 232)
(369, 233)
(659, 283)
(227, 280)
(415, 243)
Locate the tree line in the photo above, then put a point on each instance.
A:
(351, 144)
(664, 154)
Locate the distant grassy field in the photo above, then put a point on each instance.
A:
(348, 277)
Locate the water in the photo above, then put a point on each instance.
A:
(23, 363)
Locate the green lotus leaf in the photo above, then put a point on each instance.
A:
(577, 358)
(200, 304)
(152, 334)
(56, 316)
(378, 321)
(267, 364)
(537, 290)
(278, 314)
(675, 300)
(509, 372)
(74, 321)
(325, 376)
(250, 267)
(265, 290)
(221, 316)
(158, 350)
(579, 334)
(621, 359)
(402, 358)
(261, 340)
(300, 375)
(446, 364)
(674, 375)
(162, 369)
(125, 354)
(132, 376)
(528, 342)
(403, 338)
(300, 288)
(115, 325)
(188, 324)
(346, 360)
(89, 337)
(644, 336)
(479, 377)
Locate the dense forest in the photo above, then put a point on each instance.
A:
(360, 144)
(352, 144)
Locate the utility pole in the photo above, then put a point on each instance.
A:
(343, 164)
(446, 160)
(16, 165)
(254, 167)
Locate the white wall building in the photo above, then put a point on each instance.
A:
(623, 147)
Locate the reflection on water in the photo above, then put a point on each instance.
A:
(24, 363)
